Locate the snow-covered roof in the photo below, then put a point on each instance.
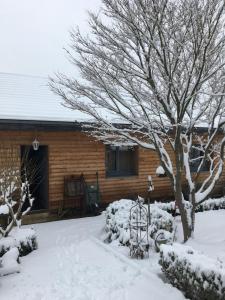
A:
(24, 97)
(28, 98)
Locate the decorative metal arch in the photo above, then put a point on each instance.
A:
(139, 223)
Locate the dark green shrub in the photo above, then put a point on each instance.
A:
(199, 277)
(24, 239)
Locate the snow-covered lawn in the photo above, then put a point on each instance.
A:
(72, 263)
(209, 237)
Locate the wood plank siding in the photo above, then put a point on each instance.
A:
(73, 153)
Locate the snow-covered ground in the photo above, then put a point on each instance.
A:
(209, 236)
(72, 263)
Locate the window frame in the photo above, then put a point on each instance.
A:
(118, 172)
(194, 167)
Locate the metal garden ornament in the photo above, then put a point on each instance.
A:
(139, 223)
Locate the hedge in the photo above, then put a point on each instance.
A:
(198, 276)
(209, 204)
(117, 221)
(25, 240)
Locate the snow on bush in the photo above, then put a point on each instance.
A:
(197, 275)
(163, 237)
(167, 206)
(118, 217)
(117, 220)
(160, 219)
(4, 209)
(25, 240)
(210, 204)
(15, 181)
(9, 262)
(170, 207)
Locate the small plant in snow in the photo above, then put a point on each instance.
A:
(14, 189)
(163, 237)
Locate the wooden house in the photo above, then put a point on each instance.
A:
(30, 112)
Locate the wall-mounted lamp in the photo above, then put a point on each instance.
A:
(35, 144)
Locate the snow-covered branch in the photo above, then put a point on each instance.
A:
(14, 188)
(152, 73)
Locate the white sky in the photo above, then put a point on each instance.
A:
(33, 33)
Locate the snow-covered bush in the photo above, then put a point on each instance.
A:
(170, 207)
(197, 275)
(16, 176)
(25, 240)
(163, 237)
(9, 262)
(117, 221)
(166, 206)
(160, 219)
(212, 204)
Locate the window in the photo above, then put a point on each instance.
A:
(121, 161)
(195, 159)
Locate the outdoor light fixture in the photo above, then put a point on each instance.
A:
(35, 144)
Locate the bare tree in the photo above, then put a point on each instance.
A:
(157, 66)
(15, 180)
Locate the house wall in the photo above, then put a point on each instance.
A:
(73, 153)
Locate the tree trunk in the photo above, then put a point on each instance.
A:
(187, 230)
(193, 202)
(186, 224)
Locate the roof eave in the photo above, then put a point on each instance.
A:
(45, 125)
(40, 125)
